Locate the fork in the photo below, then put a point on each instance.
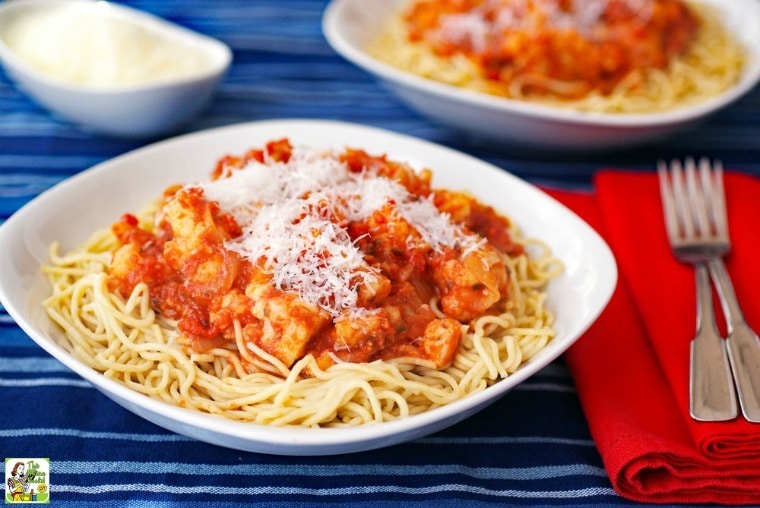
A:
(695, 215)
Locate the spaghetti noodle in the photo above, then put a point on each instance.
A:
(209, 300)
(604, 56)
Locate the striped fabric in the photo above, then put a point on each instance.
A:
(531, 448)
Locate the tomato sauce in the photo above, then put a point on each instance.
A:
(563, 48)
(195, 279)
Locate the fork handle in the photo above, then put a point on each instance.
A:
(742, 343)
(711, 391)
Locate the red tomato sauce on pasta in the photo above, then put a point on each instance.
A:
(564, 48)
(218, 296)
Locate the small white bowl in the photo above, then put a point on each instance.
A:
(350, 25)
(139, 109)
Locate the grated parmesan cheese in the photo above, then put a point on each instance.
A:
(87, 43)
(294, 215)
(488, 20)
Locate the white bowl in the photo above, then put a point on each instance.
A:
(350, 25)
(123, 110)
(70, 211)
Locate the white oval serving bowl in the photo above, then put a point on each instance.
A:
(71, 211)
(350, 25)
(137, 110)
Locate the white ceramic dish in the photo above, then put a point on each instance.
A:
(125, 110)
(95, 198)
(350, 25)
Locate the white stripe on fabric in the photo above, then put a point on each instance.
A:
(28, 364)
(116, 436)
(343, 491)
(156, 438)
(42, 162)
(18, 186)
(194, 469)
(44, 381)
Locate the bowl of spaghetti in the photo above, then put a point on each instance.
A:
(301, 287)
(555, 74)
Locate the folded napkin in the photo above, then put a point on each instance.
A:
(631, 368)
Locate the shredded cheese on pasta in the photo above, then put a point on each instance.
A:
(287, 211)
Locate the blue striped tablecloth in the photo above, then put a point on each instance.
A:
(531, 448)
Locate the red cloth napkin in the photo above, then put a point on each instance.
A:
(631, 369)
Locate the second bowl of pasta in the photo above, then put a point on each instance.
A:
(577, 75)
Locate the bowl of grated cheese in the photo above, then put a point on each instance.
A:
(109, 68)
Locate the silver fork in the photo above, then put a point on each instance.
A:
(695, 215)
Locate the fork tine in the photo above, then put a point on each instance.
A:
(698, 193)
(712, 175)
(668, 205)
(681, 200)
(708, 184)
